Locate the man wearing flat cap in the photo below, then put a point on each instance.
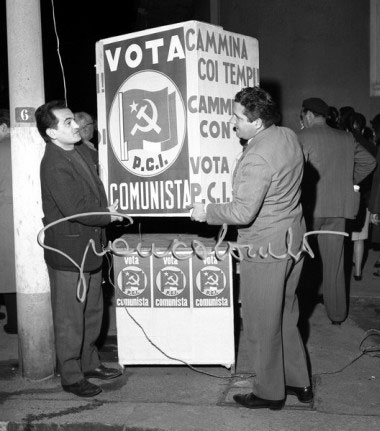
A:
(334, 163)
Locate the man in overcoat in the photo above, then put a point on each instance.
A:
(334, 163)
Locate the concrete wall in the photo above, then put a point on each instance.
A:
(308, 48)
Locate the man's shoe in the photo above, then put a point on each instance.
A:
(83, 388)
(103, 373)
(251, 401)
(304, 395)
(10, 329)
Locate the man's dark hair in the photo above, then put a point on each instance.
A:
(4, 117)
(345, 114)
(375, 123)
(45, 117)
(258, 104)
(332, 117)
(357, 122)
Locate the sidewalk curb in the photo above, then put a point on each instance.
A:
(84, 426)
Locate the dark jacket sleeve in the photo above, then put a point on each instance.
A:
(364, 163)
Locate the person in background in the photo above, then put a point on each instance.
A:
(344, 114)
(70, 185)
(359, 226)
(334, 163)
(87, 129)
(374, 200)
(265, 208)
(333, 117)
(370, 137)
(7, 248)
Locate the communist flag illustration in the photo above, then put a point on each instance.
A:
(148, 116)
(210, 279)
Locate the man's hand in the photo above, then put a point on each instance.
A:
(198, 212)
(112, 209)
(374, 219)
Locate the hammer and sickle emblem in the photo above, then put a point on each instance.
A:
(212, 280)
(172, 280)
(133, 279)
(151, 122)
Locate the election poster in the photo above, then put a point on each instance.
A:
(165, 99)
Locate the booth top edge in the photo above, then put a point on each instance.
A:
(163, 241)
(188, 24)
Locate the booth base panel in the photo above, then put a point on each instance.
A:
(175, 337)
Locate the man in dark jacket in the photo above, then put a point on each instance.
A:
(70, 186)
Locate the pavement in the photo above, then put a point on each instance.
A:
(345, 366)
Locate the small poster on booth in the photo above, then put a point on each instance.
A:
(212, 284)
(133, 281)
(165, 98)
(171, 281)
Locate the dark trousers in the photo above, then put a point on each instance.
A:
(10, 302)
(270, 316)
(76, 325)
(331, 248)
